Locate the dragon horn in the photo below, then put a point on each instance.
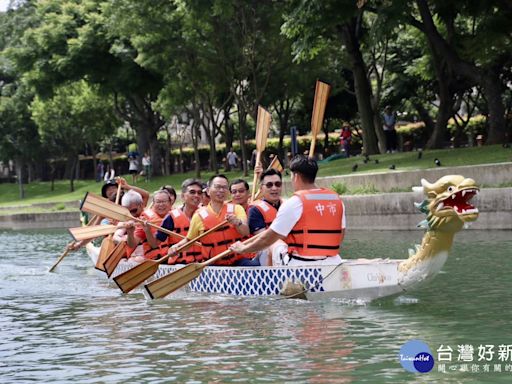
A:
(426, 185)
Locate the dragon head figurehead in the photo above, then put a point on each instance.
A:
(447, 202)
(447, 208)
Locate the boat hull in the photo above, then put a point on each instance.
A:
(364, 280)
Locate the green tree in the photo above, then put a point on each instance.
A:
(74, 116)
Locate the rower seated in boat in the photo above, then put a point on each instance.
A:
(162, 204)
(308, 228)
(263, 212)
(178, 220)
(215, 213)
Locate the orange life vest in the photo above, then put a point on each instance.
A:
(181, 226)
(161, 250)
(267, 210)
(318, 231)
(220, 240)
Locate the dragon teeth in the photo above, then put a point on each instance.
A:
(464, 192)
(453, 196)
(439, 207)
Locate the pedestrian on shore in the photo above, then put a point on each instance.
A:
(232, 159)
(389, 122)
(146, 166)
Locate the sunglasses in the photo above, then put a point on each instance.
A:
(270, 184)
(195, 192)
(134, 211)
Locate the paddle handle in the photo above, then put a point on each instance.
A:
(64, 254)
(161, 229)
(255, 179)
(118, 193)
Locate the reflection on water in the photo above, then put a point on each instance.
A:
(72, 325)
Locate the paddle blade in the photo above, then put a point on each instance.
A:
(262, 127)
(107, 245)
(165, 285)
(134, 277)
(102, 207)
(114, 258)
(317, 118)
(86, 233)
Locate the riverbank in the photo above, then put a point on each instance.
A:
(381, 211)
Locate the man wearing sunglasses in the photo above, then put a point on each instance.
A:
(263, 212)
(309, 227)
(178, 220)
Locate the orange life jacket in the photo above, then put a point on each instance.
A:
(221, 239)
(318, 231)
(161, 249)
(181, 226)
(267, 210)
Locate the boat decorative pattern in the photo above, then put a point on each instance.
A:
(256, 282)
(242, 281)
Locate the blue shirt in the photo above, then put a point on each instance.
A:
(167, 223)
(256, 220)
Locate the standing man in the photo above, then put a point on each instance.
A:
(308, 228)
(232, 159)
(240, 193)
(214, 213)
(389, 120)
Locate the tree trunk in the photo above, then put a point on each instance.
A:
(492, 89)
(444, 113)
(195, 140)
(242, 119)
(19, 174)
(361, 85)
(491, 84)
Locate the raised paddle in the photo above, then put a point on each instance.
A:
(262, 127)
(102, 207)
(114, 258)
(175, 280)
(107, 245)
(86, 233)
(132, 278)
(317, 118)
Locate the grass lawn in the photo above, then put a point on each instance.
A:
(39, 192)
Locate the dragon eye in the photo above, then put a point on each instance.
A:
(451, 189)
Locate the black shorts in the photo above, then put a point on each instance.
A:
(133, 172)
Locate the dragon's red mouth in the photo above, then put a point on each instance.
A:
(459, 202)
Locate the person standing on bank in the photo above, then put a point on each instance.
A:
(133, 168)
(389, 122)
(309, 227)
(146, 166)
(232, 159)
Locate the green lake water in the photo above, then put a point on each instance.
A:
(73, 326)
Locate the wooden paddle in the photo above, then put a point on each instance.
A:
(175, 280)
(98, 205)
(114, 258)
(86, 233)
(66, 251)
(262, 127)
(132, 278)
(62, 256)
(317, 118)
(107, 245)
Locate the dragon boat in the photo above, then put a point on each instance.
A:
(447, 210)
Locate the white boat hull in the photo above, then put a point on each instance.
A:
(364, 280)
